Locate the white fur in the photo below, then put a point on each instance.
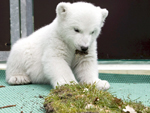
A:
(48, 55)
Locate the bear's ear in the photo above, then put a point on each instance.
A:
(104, 13)
(62, 9)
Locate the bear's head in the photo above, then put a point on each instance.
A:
(80, 23)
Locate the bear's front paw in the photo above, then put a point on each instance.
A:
(102, 85)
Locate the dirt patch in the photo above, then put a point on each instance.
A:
(84, 98)
(49, 108)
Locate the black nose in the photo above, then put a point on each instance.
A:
(84, 48)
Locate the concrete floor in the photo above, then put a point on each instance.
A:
(117, 66)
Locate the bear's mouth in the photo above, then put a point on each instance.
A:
(81, 52)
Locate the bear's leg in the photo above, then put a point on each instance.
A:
(15, 71)
(87, 72)
(58, 71)
(15, 74)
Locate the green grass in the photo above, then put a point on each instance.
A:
(85, 98)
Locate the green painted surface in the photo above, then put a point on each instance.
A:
(124, 62)
(135, 87)
(26, 97)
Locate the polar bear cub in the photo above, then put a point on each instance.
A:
(62, 51)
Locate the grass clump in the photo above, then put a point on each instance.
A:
(75, 98)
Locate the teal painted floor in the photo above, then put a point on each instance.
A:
(102, 61)
(27, 98)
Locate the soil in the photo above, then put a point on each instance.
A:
(49, 108)
(58, 98)
(41, 96)
(81, 52)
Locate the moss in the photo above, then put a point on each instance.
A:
(85, 98)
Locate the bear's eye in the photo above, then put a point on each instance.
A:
(76, 30)
(92, 32)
